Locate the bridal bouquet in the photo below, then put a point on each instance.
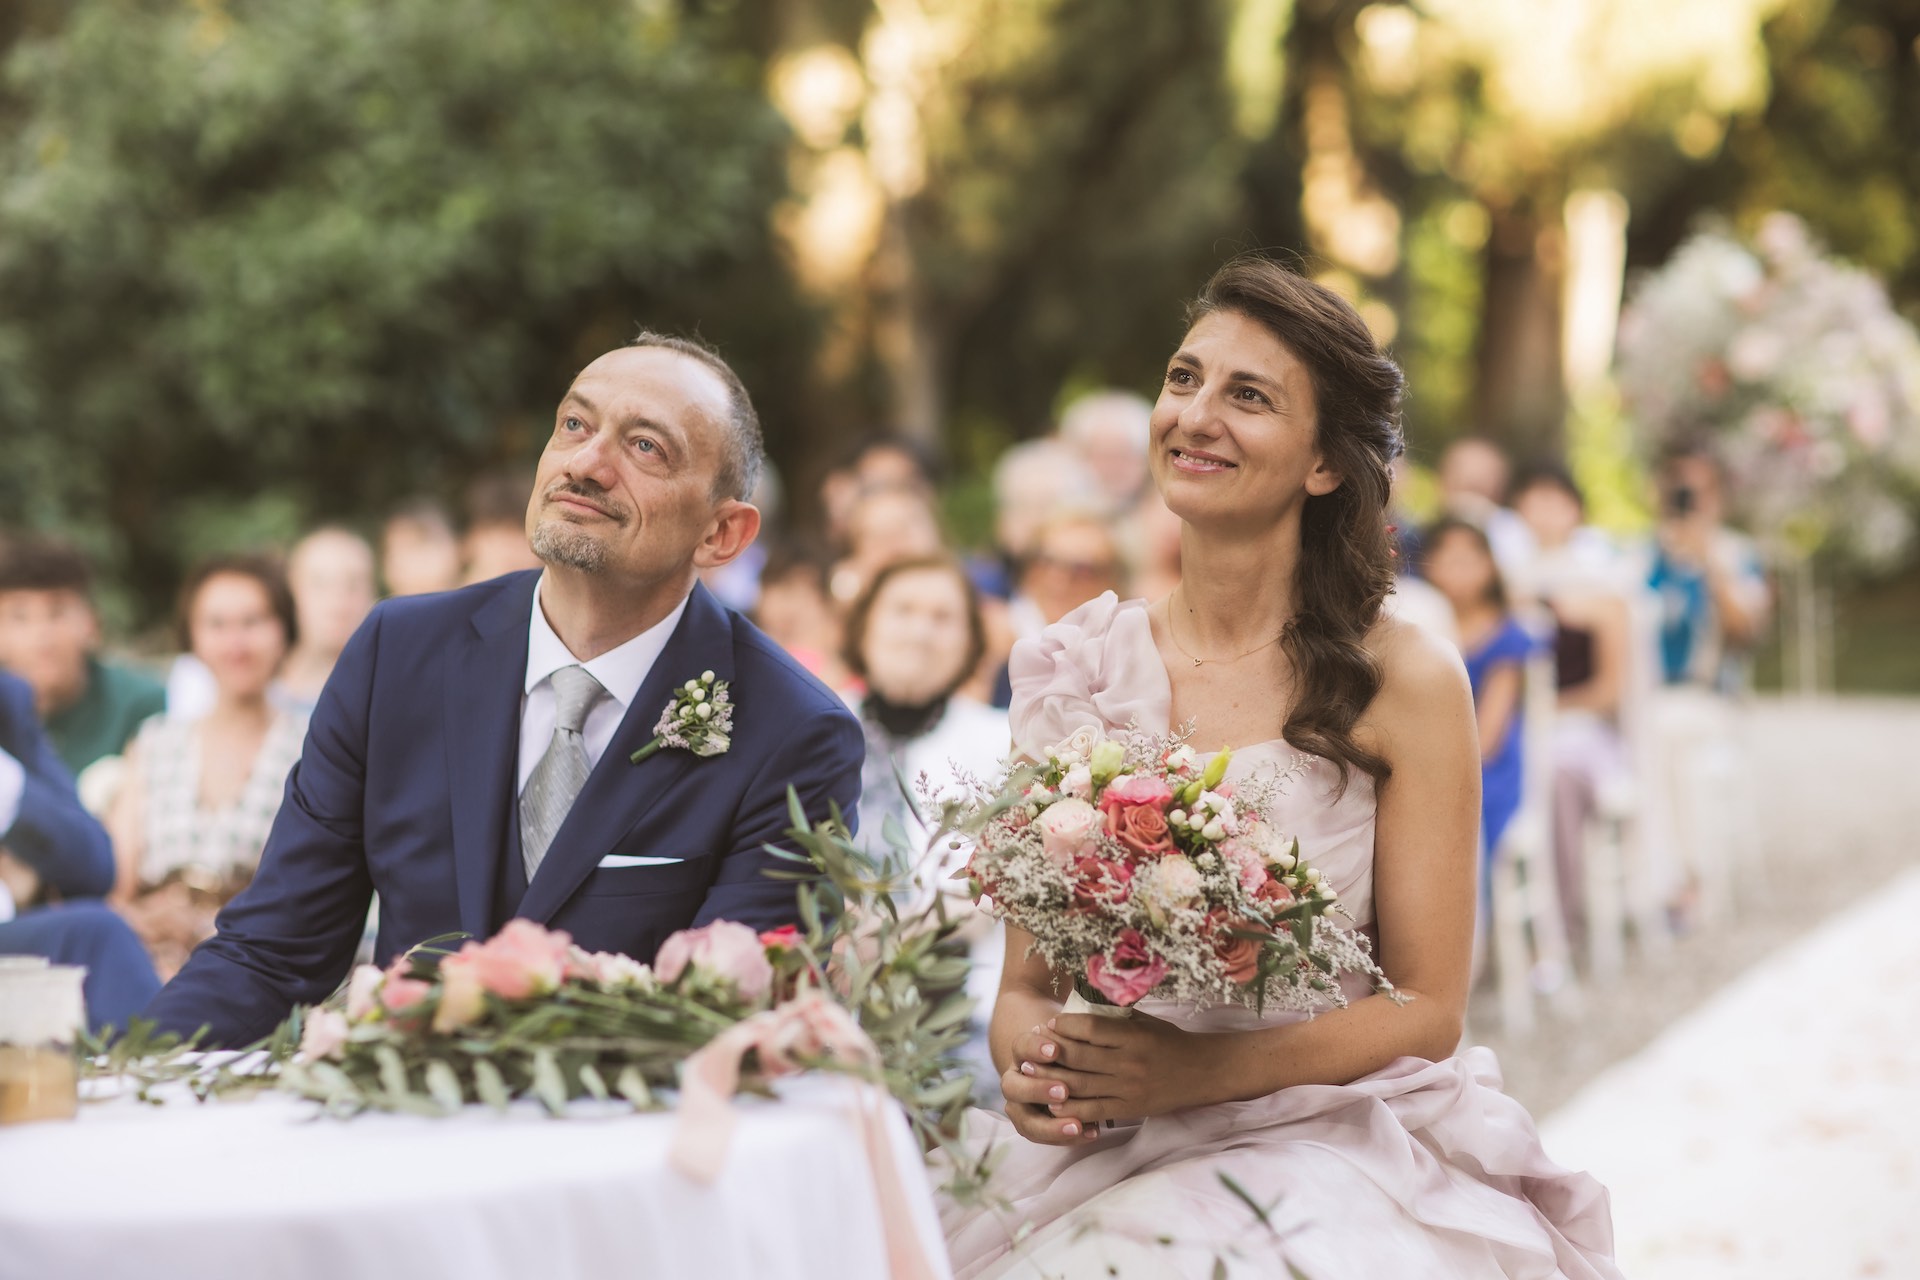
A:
(1143, 873)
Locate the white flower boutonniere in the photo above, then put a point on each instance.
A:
(698, 718)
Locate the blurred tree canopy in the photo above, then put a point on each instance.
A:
(343, 250)
(268, 261)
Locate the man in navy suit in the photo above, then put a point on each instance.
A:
(460, 765)
(54, 847)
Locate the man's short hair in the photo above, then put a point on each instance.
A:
(44, 564)
(741, 460)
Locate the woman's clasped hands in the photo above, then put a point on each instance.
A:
(1081, 1069)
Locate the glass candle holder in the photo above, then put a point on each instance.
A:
(41, 1014)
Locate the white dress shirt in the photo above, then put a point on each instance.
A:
(620, 672)
(13, 786)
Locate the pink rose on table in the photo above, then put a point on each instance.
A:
(1069, 830)
(724, 950)
(324, 1035)
(807, 1029)
(1100, 882)
(1137, 789)
(462, 998)
(521, 960)
(362, 988)
(785, 938)
(400, 992)
(1129, 973)
(1141, 827)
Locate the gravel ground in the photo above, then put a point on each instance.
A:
(1836, 786)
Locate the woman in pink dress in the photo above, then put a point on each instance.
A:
(1357, 1143)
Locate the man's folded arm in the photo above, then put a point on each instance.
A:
(821, 761)
(289, 937)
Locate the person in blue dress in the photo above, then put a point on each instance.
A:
(1458, 560)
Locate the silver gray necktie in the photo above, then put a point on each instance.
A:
(562, 771)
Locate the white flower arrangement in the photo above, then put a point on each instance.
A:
(698, 718)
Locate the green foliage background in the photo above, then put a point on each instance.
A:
(264, 262)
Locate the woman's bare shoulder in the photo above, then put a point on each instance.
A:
(1422, 676)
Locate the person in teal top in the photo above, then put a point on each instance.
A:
(50, 637)
(1458, 560)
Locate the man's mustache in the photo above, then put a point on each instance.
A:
(590, 493)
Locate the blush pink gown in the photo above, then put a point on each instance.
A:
(1419, 1171)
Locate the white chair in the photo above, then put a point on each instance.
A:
(1529, 939)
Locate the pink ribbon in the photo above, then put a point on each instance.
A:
(808, 1027)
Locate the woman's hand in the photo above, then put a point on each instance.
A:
(1115, 1068)
(1031, 1097)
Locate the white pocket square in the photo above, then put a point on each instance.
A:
(613, 860)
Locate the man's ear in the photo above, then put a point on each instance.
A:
(735, 525)
(1323, 479)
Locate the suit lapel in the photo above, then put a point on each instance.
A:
(486, 675)
(619, 794)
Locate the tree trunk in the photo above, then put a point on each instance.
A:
(1521, 399)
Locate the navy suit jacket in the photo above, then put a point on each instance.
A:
(407, 786)
(52, 834)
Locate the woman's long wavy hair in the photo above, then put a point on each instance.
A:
(1346, 554)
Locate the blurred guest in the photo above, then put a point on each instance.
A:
(737, 583)
(53, 856)
(1108, 429)
(419, 551)
(1578, 577)
(798, 615)
(914, 636)
(1152, 533)
(1713, 591)
(1567, 550)
(1474, 474)
(200, 796)
(50, 637)
(878, 460)
(331, 575)
(495, 542)
(885, 525)
(1031, 481)
(1076, 556)
(1459, 563)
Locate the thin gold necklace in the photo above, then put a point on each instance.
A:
(1201, 662)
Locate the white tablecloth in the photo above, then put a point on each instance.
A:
(264, 1188)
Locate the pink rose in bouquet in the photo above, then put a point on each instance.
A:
(1274, 892)
(1135, 789)
(1239, 955)
(1141, 828)
(724, 950)
(1077, 782)
(1069, 829)
(1248, 862)
(1100, 882)
(1131, 972)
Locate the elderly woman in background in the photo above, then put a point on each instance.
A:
(914, 635)
(201, 795)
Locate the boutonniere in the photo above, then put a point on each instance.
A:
(698, 718)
